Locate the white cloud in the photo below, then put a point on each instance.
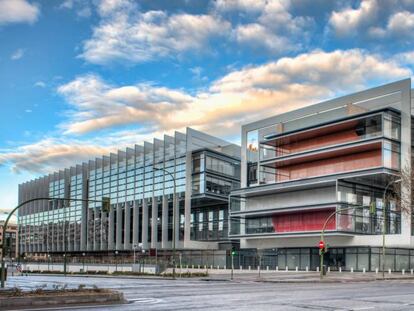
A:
(40, 84)
(49, 154)
(18, 54)
(375, 19)
(81, 7)
(125, 34)
(236, 97)
(258, 36)
(52, 153)
(239, 97)
(253, 6)
(18, 11)
(274, 29)
(346, 21)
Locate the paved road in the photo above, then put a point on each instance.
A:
(148, 294)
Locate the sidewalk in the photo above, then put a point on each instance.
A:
(283, 276)
(265, 276)
(310, 277)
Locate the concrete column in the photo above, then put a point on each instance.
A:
(135, 227)
(111, 228)
(127, 221)
(119, 227)
(187, 198)
(144, 224)
(164, 222)
(96, 246)
(104, 231)
(83, 233)
(154, 228)
(177, 220)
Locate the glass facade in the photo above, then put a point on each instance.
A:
(140, 184)
(373, 140)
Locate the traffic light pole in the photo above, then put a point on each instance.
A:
(3, 248)
(174, 215)
(232, 265)
(322, 250)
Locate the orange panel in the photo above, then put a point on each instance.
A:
(321, 141)
(346, 163)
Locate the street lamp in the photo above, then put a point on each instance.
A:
(83, 262)
(174, 212)
(384, 223)
(134, 247)
(105, 206)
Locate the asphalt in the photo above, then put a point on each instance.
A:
(242, 294)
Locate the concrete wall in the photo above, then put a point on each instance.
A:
(324, 195)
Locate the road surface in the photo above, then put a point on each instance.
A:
(186, 294)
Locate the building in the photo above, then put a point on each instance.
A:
(139, 183)
(299, 167)
(11, 240)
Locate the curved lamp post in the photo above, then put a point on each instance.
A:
(174, 212)
(104, 201)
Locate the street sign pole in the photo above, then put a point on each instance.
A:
(232, 264)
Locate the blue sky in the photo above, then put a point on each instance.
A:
(80, 78)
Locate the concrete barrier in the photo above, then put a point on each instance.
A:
(59, 300)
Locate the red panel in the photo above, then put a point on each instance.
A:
(340, 164)
(321, 141)
(303, 221)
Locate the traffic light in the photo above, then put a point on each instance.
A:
(233, 251)
(106, 204)
(372, 208)
(322, 247)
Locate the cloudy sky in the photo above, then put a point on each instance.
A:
(80, 78)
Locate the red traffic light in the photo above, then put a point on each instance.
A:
(321, 245)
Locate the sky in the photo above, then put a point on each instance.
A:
(81, 78)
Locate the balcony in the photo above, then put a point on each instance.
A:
(384, 124)
(336, 160)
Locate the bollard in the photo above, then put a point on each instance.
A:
(241, 267)
(329, 269)
(340, 269)
(411, 271)
(363, 270)
(277, 268)
(250, 268)
(317, 269)
(352, 269)
(218, 267)
(287, 269)
(389, 271)
(307, 269)
(403, 271)
(192, 267)
(267, 268)
(211, 267)
(376, 270)
(205, 267)
(296, 269)
(258, 268)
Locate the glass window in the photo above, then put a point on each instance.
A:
(391, 155)
(392, 126)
